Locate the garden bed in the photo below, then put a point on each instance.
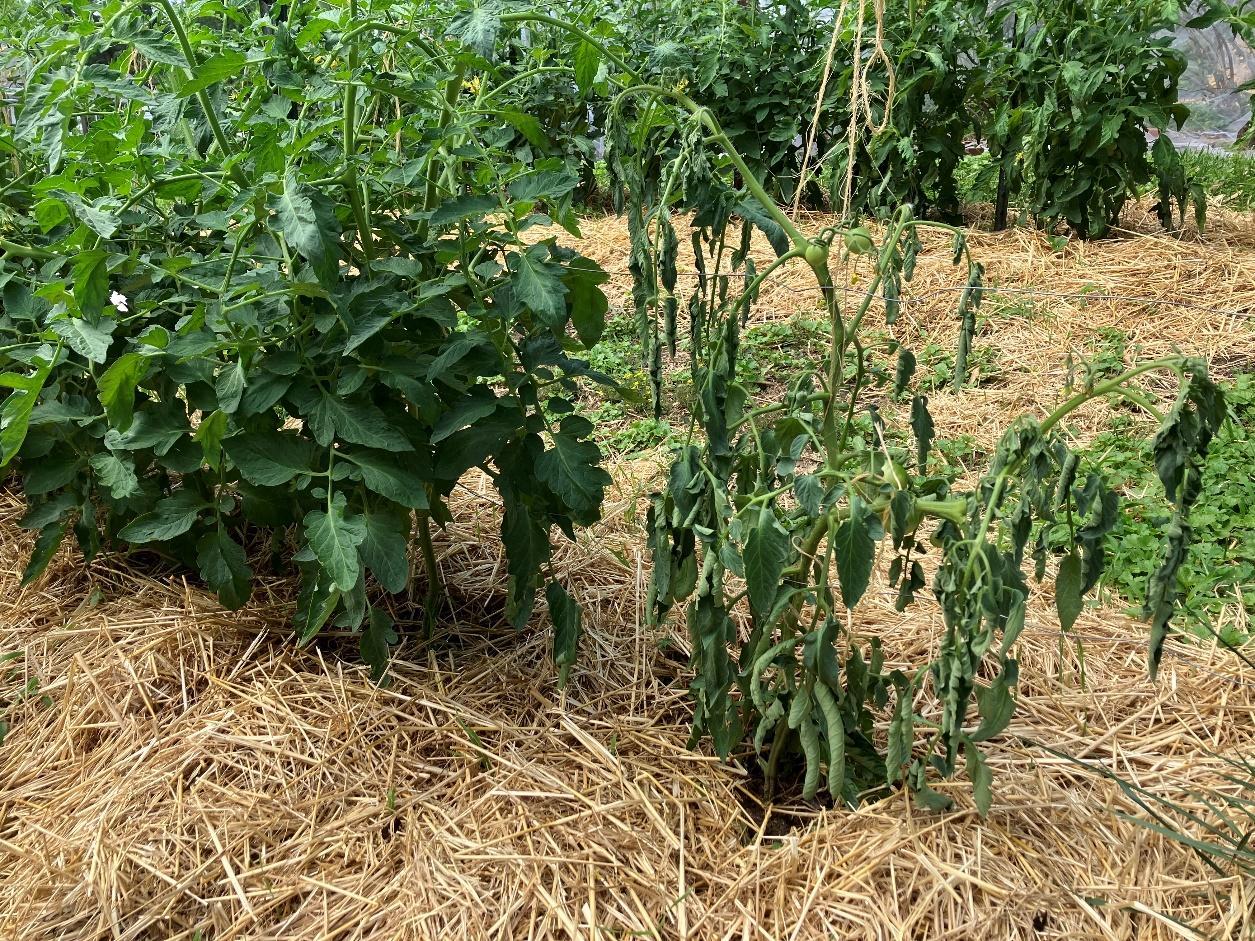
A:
(173, 771)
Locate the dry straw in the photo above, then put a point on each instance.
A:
(190, 774)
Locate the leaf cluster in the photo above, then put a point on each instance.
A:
(282, 284)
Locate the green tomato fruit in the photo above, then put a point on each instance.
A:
(816, 254)
(895, 474)
(859, 241)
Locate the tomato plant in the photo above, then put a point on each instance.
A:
(280, 284)
(774, 513)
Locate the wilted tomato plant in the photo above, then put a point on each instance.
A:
(774, 512)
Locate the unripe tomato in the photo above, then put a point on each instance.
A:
(816, 254)
(858, 241)
(895, 474)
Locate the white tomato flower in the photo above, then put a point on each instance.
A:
(118, 300)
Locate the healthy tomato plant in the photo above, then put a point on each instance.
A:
(281, 284)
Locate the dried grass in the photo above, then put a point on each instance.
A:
(1044, 304)
(193, 775)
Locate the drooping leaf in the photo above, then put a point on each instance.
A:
(224, 567)
(766, 555)
(567, 620)
(46, 545)
(981, 776)
(904, 371)
(855, 551)
(922, 426)
(1068, 584)
(376, 642)
(901, 737)
(996, 706)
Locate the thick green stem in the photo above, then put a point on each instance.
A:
(349, 132)
(193, 64)
(435, 584)
(1103, 388)
(573, 30)
(25, 251)
(523, 76)
(452, 91)
(772, 771)
(410, 35)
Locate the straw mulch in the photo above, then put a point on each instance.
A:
(1045, 304)
(184, 773)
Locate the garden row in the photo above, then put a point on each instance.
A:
(272, 286)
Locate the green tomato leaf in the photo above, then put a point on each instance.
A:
(766, 555)
(230, 387)
(90, 341)
(385, 550)
(571, 468)
(16, 410)
(467, 206)
(331, 417)
(855, 551)
(116, 474)
(399, 479)
(309, 225)
(478, 28)
(271, 458)
(587, 59)
(91, 283)
(537, 284)
(224, 567)
(210, 433)
(172, 517)
(587, 301)
(334, 536)
(1068, 601)
(212, 71)
(116, 388)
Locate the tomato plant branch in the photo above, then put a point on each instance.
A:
(193, 65)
